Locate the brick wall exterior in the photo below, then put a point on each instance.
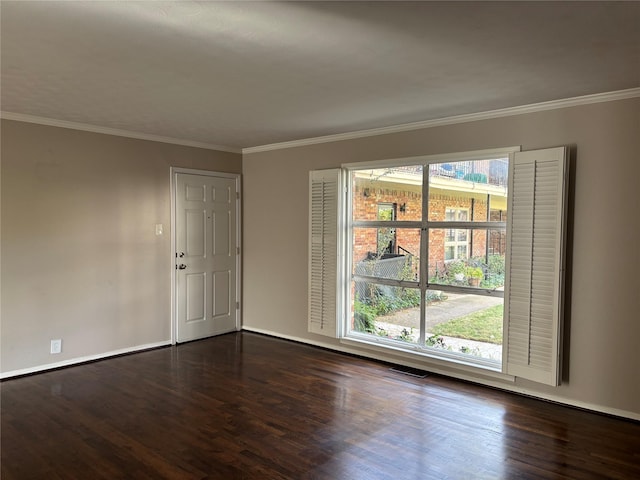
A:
(408, 206)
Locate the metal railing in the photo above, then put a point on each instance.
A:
(492, 172)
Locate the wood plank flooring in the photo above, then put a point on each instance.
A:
(246, 406)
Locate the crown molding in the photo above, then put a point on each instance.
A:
(471, 117)
(52, 122)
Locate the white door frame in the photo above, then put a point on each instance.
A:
(236, 177)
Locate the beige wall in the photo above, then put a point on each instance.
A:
(602, 352)
(81, 261)
(80, 258)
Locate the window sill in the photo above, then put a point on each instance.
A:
(445, 363)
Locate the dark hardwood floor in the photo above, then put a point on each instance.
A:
(249, 406)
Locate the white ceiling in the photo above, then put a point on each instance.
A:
(244, 74)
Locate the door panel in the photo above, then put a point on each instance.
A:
(195, 193)
(221, 293)
(221, 237)
(222, 195)
(195, 232)
(206, 246)
(196, 299)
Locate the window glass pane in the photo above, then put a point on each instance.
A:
(497, 242)
(387, 211)
(478, 244)
(386, 252)
(387, 194)
(445, 246)
(498, 210)
(450, 214)
(386, 241)
(494, 272)
(449, 252)
(473, 259)
(383, 311)
(459, 213)
(467, 324)
(474, 190)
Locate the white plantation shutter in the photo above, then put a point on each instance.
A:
(324, 191)
(535, 280)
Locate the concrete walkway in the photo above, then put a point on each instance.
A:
(456, 305)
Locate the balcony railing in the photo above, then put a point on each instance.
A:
(492, 172)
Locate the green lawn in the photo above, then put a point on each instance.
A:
(482, 326)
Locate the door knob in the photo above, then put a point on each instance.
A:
(182, 266)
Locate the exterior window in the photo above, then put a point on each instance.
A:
(430, 278)
(456, 242)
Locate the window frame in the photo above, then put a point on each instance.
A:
(425, 225)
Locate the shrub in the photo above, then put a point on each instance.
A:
(455, 268)
(366, 312)
(474, 272)
(495, 272)
(364, 317)
(435, 296)
(405, 335)
(495, 264)
(436, 341)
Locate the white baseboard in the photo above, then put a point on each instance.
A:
(458, 375)
(341, 348)
(78, 360)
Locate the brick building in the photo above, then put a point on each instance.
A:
(396, 195)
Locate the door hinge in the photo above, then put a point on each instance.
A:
(237, 250)
(237, 305)
(237, 195)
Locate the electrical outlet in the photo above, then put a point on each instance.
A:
(56, 346)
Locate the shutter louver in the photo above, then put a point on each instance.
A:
(324, 186)
(536, 265)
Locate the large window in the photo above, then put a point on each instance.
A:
(459, 257)
(423, 273)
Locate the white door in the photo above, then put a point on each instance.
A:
(206, 255)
